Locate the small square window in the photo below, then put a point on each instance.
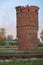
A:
(28, 10)
(20, 10)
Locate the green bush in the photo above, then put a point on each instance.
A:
(13, 43)
(40, 45)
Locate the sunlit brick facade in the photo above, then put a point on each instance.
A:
(27, 27)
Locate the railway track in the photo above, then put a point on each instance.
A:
(20, 56)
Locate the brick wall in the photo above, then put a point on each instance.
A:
(27, 27)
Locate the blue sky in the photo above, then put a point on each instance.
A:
(8, 13)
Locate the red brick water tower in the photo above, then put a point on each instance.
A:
(27, 27)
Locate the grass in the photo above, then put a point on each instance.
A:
(18, 51)
(37, 51)
(11, 46)
(22, 62)
(7, 51)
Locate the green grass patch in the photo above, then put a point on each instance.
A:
(37, 51)
(22, 62)
(18, 51)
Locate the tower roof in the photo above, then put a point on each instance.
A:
(31, 7)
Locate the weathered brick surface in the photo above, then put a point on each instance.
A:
(27, 27)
